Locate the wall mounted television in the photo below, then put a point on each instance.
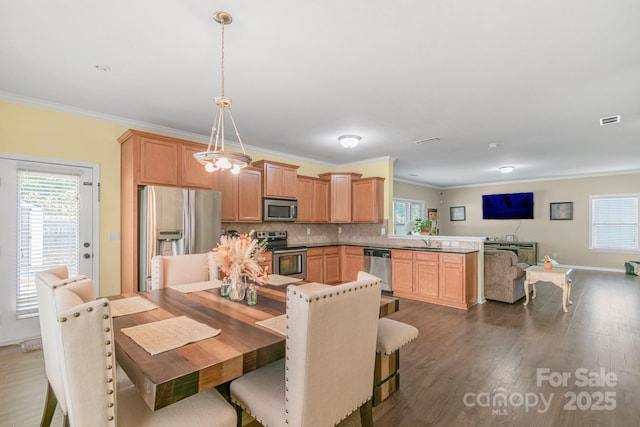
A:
(507, 206)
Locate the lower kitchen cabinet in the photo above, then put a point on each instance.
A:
(352, 262)
(323, 265)
(443, 278)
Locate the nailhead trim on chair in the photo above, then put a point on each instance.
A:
(286, 378)
(108, 355)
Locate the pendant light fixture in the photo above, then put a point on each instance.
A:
(217, 158)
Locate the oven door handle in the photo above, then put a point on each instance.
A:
(288, 251)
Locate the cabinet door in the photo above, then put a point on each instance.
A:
(425, 276)
(315, 265)
(402, 271)
(351, 262)
(341, 198)
(249, 195)
(227, 184)
(332, 265)
(193, 173)
(321, 204)
(289, 188)
(158, 162)
(368, 200)
(267, 264)
(452, 282)
(305, 199)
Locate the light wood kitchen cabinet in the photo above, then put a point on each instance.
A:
(268, 262)
(340, 195)
(401, 272)
(241, 195)
(367, 200)
(323, 265)
(194, 175)
(150, 159)
(426, 266)
(315, 265)
(449, 279)
(313, 199)
(351, 261)
(279, 179)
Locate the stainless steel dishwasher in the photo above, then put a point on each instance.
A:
(377, 261)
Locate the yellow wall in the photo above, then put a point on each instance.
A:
(43, 133)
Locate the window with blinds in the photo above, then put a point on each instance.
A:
(48, 212)
(614, 222)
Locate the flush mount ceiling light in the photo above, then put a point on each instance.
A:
(216, 158)
(506, 169)
(349, 141)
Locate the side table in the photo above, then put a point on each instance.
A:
(558, 276)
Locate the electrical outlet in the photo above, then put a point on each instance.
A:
(339, 230)
(455, 243)
(308, 231)
(382, 230)
(445, 243)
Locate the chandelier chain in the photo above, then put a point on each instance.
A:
(222, 60)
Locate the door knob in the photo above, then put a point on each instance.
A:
(86, 244)
(86, 256)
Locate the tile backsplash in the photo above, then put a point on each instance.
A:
(301, 234)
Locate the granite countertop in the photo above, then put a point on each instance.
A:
(388, 246)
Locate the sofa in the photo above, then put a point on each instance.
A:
(503, 276)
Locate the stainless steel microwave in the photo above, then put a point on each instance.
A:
(280, 210)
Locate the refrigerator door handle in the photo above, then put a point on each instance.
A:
(187, 219)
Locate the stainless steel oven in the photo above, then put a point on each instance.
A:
(287, 260)
(290, 262)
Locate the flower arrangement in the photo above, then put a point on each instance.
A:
(239, 257)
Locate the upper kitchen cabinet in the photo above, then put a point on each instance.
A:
(241, 195)
(149, 159)
(278, 179)
(313, 199)
(368, 200)
(194, 174)
(340, 194)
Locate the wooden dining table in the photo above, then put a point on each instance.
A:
(241, 347)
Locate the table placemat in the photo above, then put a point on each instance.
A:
(277, 324)
(124, 306)
(164, 335)
(197, 286)
(278, 280)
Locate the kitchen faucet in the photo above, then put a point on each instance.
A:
(426, 241)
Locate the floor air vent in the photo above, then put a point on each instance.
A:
(609, 120)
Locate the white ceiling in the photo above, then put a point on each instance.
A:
(532, 77)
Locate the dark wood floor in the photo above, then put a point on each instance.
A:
(462, 361)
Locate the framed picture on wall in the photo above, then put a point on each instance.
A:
(561, 210)
(457, 213)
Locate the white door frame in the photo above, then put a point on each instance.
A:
(95, 219)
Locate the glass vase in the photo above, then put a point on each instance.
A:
(252, 294)
(224, 287)
(237, 290)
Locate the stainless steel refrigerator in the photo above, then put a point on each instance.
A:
(175, 221)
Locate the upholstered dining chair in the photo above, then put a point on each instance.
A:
(179, 269)
(46, 282)
(330, 356)
(84, 334)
